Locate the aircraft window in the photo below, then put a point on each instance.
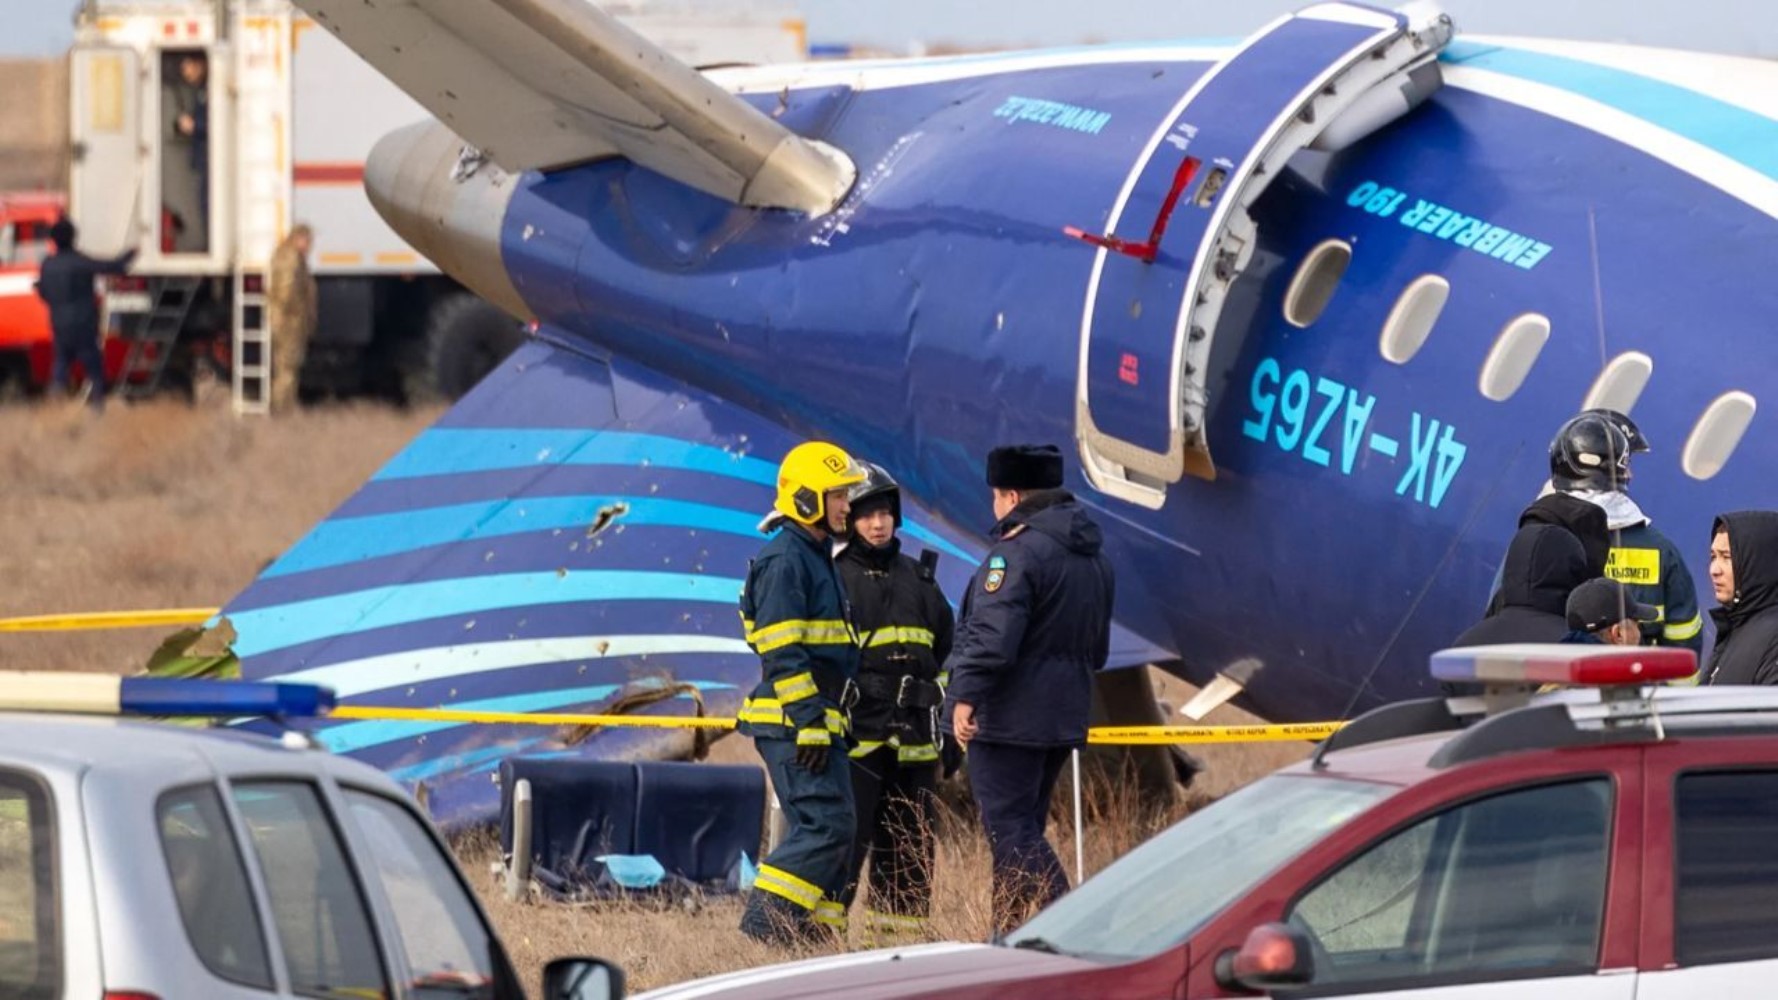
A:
(1621, 383)
(1410, 322)
(1312, 287)
(1717, 434)
(1514, 352)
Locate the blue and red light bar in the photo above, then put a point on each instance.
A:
(101, 694)
(1580, 665)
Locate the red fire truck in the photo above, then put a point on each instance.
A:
(25, 350)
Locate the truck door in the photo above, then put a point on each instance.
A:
(1710, 926)
(1492, 897)
(1180, 234)
(105, 182)
(193, 137)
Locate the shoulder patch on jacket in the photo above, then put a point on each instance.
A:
(996, 562)
(994, 579)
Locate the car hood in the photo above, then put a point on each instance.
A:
(922, 971)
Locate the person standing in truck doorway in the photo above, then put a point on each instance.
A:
(185, 151)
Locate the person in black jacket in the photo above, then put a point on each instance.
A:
(1544, 564)
(1586, 521)
(1035, 626)
(904, 627)
(65, 284)
(1744, 576)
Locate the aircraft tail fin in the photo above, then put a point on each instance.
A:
(541, 84)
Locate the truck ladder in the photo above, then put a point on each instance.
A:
(264, 44)
(155, 341)
(252, 369)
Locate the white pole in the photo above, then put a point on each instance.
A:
(518, 870)
(1080, 864)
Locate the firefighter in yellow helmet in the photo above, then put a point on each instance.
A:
(794, 613)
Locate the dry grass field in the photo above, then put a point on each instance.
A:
(165, 505)
(162, 505)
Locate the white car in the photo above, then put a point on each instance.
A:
(149, 861)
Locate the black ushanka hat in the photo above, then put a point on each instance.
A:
(1025, 467)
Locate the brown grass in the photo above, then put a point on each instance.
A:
(658, 946)
(164, 505)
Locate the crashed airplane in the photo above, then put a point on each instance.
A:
(1304, 309)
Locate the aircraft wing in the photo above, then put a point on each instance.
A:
(571, 537)
(541, 84)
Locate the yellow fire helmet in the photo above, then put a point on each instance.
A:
(808, 472)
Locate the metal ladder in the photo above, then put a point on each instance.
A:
(251, 372)
(261, 37)
(156, 340)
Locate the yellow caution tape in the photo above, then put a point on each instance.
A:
(108, 619)
(1111, 735)
(528, 718)
(1100, 735)
(1163, 735)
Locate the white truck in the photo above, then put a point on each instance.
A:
(203, 130)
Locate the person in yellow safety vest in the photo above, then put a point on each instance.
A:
(1590, 459)
(904, 629)
(794, 614)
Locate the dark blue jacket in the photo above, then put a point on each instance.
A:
(1648, 563)
(1035, 626)
(65, 284)
(794, 615)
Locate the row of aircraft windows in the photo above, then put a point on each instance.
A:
(1713, 438)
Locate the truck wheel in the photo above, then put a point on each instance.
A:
(15, 376)
(466, 338)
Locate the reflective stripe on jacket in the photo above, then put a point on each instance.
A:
(904, 626)
(794, 615)
(1648, 564)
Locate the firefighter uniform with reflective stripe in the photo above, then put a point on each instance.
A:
(904, 625)
(1647, 563)
(793, 609)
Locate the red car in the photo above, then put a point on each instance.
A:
(1605, 842)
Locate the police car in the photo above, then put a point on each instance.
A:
(144, 860)
(1609, 840)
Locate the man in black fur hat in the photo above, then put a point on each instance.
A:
(1035, 626)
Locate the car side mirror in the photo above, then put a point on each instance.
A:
(582, 979)
(1274, 956)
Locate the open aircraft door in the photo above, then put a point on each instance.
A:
(105, 180)
(1324, 77)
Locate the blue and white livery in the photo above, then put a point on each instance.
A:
(1307, 307)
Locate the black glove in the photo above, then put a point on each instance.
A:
(812, 757)
(950, 757)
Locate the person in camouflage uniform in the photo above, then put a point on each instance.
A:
(290, 313)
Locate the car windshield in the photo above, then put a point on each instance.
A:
(1162, 892)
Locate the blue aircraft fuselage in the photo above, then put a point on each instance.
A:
(1360, 506)
(1553, 227)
